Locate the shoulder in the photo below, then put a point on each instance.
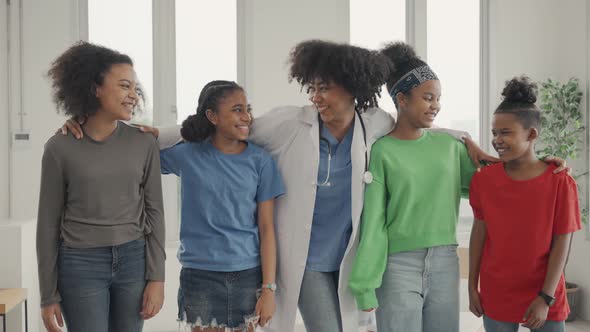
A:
(133, 131)
(136, 137)
(58, 143)
(563, 178)
(182, 148)
(491, 172)
(381, 144)
(378, 121)
(259, 153)
(443, 137)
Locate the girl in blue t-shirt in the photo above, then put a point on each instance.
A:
(227, 237)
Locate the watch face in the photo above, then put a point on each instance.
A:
(550, 300)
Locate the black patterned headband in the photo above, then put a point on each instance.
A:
(412, 79)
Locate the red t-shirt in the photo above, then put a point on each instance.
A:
(521, 218)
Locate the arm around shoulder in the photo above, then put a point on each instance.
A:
(169, 136)
(271, 129)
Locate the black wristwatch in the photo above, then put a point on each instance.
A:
(547, 298)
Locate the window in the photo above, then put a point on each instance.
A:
(126, 26)
(373, 23)
(206, 49)
(457, 66)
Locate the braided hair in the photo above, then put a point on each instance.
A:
(197, 127)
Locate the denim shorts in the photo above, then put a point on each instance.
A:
(219, 299)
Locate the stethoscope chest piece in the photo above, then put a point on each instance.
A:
(368, 177)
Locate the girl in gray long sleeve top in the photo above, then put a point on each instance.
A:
(100, 229)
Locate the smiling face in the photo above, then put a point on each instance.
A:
(118, 94)
(331, 100)
(421, 105)
(510, 139)
(233, 118)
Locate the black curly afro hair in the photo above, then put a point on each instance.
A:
(404, 59)
(77, 72)
(520, 96)
(360, 71)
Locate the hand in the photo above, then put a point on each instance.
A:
(147, 129)
(265, 307)
(477, 155)
(536, 314)
(153, 299)
(50, 314)
(74, 126)
(560, 163)
(475, 303)
(369, 310)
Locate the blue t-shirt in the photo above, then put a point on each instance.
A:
(220, 193)
(332, 216)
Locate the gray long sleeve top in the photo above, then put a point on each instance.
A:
(97, 194)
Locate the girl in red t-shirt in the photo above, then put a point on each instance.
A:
(525, 215)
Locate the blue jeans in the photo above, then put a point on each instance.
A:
(318, 301)
(497, 326)
(102, 288)
(420, 291)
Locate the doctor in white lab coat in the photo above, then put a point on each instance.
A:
(291, 135)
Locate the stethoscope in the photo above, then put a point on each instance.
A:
(367, 176)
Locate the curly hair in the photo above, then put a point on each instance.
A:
(520, 96)
(359, 71)
(403, 58)
(77, 72)
(197, 127)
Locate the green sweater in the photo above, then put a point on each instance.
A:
(412, 203)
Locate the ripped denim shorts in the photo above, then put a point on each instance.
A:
(219, 299)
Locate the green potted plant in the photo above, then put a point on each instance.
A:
(562, 135)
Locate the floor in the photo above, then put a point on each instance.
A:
(469, 324)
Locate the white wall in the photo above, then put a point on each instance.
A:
(544, 38)
(271, 28)
(48, 29)
(3, 114)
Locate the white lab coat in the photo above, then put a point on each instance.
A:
(291, 135)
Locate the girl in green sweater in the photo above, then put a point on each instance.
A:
(407, 263)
